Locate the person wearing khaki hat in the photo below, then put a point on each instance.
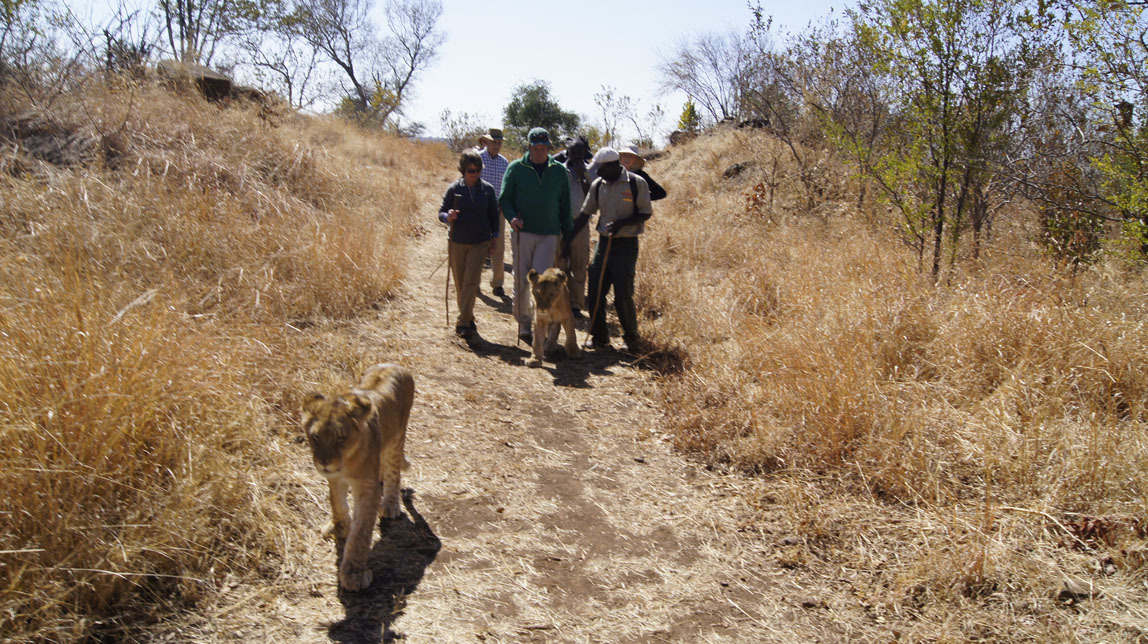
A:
(632, 161)
(493, 167)
(492, 135)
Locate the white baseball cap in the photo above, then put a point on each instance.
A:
(605, 155)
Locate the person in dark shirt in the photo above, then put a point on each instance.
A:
(470, 208)
(574, 257)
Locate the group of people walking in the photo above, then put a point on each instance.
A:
(545, 204)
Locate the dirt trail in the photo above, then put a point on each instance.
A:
(546, 506)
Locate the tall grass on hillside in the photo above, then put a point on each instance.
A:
(149, 322)
(973, 429)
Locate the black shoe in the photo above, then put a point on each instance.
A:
(461, 331)
(599, 343)
(634, 346)
(486, 263)
(498, 292)
(526, 337)
(577, 313)
(472, 326)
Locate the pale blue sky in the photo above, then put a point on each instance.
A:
(492, 46)
(577, 47)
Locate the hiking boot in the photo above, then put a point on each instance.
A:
(498, 292)
(599, 344)
(461, 331)
(526, 336)
(634, 346)
(577, 313)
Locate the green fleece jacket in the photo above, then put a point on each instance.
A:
(542, 203)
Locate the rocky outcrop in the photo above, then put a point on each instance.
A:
(213, 85)
(678, 137)
(37, 137)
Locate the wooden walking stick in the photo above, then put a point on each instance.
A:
(516, 304)
(599, 296)
(449, 230)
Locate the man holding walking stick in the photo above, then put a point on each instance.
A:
(535, 200)
(622, 200)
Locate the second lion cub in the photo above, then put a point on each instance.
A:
(551, 306)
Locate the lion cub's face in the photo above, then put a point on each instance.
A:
(547, 287)
(333, 428)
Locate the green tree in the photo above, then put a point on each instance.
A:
(689, 121)
(960, 70)
(532, 105)
(1108, 38)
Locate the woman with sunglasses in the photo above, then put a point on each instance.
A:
(470, 209)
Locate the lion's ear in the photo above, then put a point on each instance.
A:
(532, 276)
(358, 406)
(312, 402)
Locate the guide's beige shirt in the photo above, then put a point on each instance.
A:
(617, 203)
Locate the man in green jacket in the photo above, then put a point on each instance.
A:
(535, 199)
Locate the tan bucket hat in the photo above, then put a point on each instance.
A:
(494, 134)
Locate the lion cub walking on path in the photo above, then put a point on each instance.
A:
(551, 306)
(357, 443)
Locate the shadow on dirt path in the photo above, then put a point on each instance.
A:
(559, 511)
(406, 547)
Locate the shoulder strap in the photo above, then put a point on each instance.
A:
(634, 192)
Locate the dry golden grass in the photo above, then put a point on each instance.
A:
(966, 461)
(149, 322)
(942, 448)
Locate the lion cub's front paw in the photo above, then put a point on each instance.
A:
(354, 577)
(335, 530)
(534, 362)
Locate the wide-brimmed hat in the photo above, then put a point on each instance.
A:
(494, 134)
(633, 150)
(630, 149)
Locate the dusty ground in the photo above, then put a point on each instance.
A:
(544, 505)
